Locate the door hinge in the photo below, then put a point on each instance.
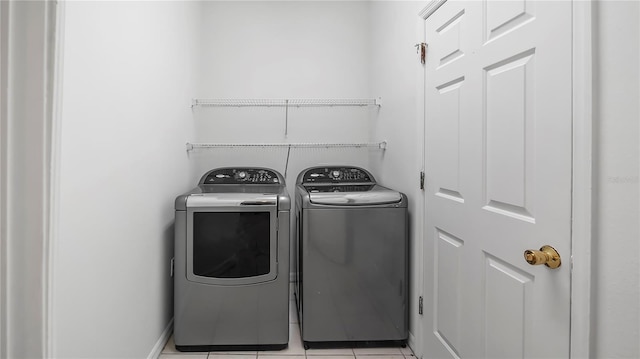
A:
(422, 180)
(421, 49)
(420, 305)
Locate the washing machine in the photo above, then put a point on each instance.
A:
(351, 283)
(231, 281)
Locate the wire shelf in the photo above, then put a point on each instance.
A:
(300, 102)
(379, 145)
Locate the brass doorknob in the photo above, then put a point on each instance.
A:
(547, 255)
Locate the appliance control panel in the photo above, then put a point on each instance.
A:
(260, 176)
(328, 175)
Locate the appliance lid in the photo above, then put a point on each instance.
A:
(378, 195)
(231, 200)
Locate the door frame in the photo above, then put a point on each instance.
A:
(581, 172)
(4, 47)
(22, 130)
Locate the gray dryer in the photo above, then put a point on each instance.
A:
(231, 287)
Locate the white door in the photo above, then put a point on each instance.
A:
(498, 178)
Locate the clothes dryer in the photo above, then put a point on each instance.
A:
(352, 259)
(231, 287)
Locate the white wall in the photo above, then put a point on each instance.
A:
(396, 75)
(130, 69)
(283, 50)
(129, 74)
(616, 285)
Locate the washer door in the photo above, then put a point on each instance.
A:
(233, 245)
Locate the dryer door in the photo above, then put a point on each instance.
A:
(232, 244)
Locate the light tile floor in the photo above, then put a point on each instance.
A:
(295, 350)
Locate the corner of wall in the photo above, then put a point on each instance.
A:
(156, 351)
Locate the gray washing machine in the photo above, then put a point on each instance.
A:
(352, 259)
(231, 285)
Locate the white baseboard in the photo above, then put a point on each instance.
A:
(414, 345)
(162, 341)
